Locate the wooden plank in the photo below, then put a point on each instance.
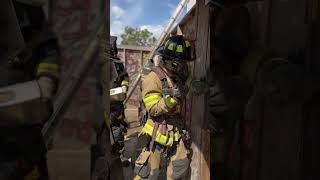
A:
(205, 148)
(280, 156)
(200, 168)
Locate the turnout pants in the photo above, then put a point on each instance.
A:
(148, 163)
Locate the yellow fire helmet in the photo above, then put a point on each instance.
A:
(178, 48)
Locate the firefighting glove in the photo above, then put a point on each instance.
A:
(170, 101)
(124, 88)
(47, 87)
(173, 92)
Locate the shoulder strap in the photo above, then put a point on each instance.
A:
(161, 75)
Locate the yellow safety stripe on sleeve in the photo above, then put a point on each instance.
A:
(188, 44)
(152, 99)
(179, 49)
(170, 102)
(47, 67)
(177, 136)
(160, 138)
(124, 83)
(170, 47)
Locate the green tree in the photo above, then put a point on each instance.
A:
(137, 37)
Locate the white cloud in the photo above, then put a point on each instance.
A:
(130, 1)
(117, 12)
(172, 8)
(155, 29)
(121, 17)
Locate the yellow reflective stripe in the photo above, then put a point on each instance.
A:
(170, 47)
(151, 100)
(179, 49)
(47, 67)
(170, 102)
(152, 97)
(160, 138)
(170, 142)
(124, 83)
(188, 44)
(177, 136)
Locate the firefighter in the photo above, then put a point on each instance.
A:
(117, 120)
(29, 74)
(163, 91)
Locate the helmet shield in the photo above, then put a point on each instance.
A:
(12, 40)
(177, 68)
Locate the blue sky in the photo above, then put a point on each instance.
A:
(145, 14)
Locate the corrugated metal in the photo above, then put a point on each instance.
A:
(75, 22)
(133, 57)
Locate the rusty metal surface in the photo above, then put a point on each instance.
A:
(75, 23)
(133, 58)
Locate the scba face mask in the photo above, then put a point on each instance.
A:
(178, 69)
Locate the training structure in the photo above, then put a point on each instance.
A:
(76, 24)
(134, 58)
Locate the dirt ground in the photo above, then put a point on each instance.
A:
(131, 141)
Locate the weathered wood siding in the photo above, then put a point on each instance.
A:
(195, 27)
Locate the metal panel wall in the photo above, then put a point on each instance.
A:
(133, 58)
